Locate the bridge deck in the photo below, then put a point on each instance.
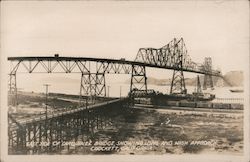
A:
(19, 123)
(113, 61)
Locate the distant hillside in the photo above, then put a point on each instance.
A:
(232, 78)
(155, 81)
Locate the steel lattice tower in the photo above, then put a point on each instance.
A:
(208, 81)
(198, 85)
(178, 80)
(138, 78)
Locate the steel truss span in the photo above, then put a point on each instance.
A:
(173, 56)
(79, 65)
(169, 56)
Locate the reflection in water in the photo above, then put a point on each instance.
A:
(63, 134)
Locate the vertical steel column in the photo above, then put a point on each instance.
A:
(13, 85)
(13, 89)
(92, 85)
(85, 86)
(178, 81)
(100, 84)
(85, 72)
(101, 69)
(208, 81)
(198, 85)
(138, 78)
(138, 82)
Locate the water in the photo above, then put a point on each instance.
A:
(117, 89)
(119, 85)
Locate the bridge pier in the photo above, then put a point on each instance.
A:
(13, 89)
(138, 82)
(138, 78)
(13, 85)
(178, 83)
(178, 80)
(92, 85)
(208, 81)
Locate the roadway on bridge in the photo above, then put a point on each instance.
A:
(59, 113)
(112, 61)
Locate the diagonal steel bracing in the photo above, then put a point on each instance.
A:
(138, 78)
(92, 85)
(172, 56)
(13, 84)
(178, 80)
(178, 83)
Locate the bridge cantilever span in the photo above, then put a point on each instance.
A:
(172, 56)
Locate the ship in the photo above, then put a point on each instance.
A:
(236, 90)
(198, 95)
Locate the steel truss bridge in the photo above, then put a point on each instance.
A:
(38, 134)
(173, 56)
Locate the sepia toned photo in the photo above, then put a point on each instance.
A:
(86, 80)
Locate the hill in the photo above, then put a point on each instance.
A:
(232, 78)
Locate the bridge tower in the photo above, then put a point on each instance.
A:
(12, 85)
(92, 84)
(198, 85)
(138, 82)
(178, 80)
(138, 78)
(13, 89)
(178, 83)
(208, 81)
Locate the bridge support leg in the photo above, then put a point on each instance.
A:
(198, 85)
(12, 89)
(138, 82)
(100, 84)
(178, 83)
(12, 84)
(208, 81)
(178, 80)
(138, 78)
(92, 85)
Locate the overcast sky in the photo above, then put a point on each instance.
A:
(219, 29)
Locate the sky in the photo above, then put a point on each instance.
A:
(218, 29)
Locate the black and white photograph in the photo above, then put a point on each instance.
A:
(125, 80)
